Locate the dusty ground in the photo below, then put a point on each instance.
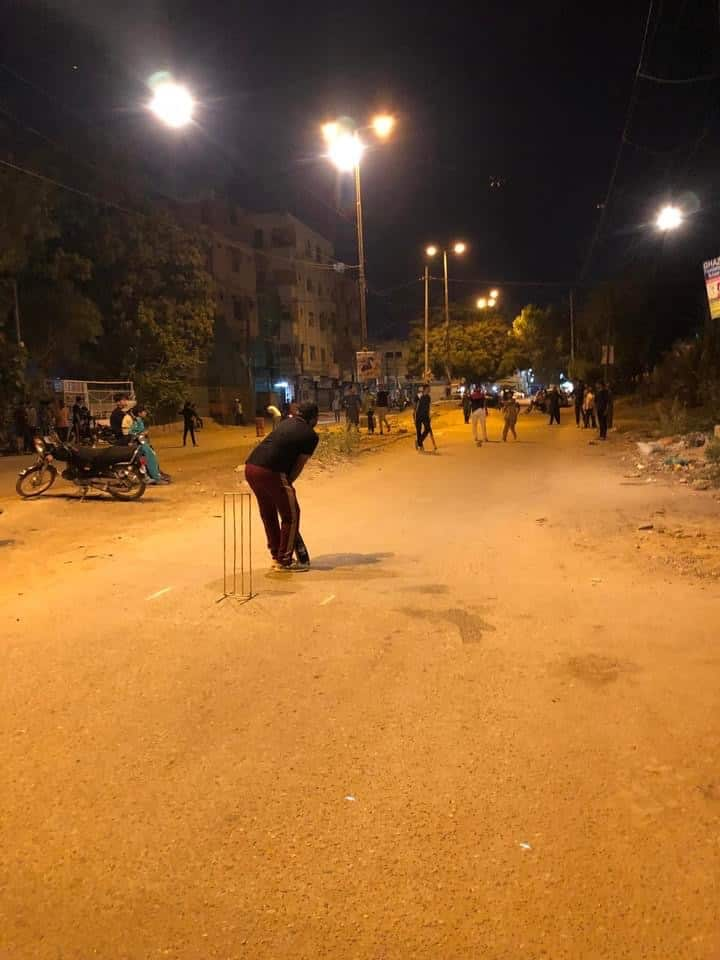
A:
(486, 724)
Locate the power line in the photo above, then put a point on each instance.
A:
(65, 186)
(623, 137)
(697, 79)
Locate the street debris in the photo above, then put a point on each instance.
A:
(685, 456)
(525, 846)
(595, 581)
(646, 526)
(541, 520)
(351, 798)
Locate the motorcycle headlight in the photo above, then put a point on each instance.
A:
(39, 445)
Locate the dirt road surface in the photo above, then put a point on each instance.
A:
(486, 724)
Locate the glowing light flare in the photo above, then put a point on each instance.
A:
(173, 104)
(383, 125)
(459, 247)
(346, 151)
(491, 303)
(482, 303)
(494, 294)
(669, 218)
(330, 131)
(431, 251)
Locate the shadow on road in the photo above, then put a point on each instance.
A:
(333, 561)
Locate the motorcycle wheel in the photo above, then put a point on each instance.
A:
(36, 481)
(130, 487)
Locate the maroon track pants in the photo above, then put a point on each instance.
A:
(276, 495)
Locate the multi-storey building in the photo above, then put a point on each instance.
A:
(301, 285)
(394, 355)
(238, 341)
(287, 324)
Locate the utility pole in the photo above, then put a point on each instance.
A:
(571, 371)
(427, 322)
(447, 316)
(361, 256)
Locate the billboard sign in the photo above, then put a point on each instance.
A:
(711, 268)
(369, 365)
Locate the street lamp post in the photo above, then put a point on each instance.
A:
(346, 150)
(458, 248)
(426, 373)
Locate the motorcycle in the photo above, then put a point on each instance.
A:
(119, 471)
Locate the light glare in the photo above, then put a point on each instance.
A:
(669, 218)
(494, 294)
(460, 248)
(330, 131)
(173, 104)
(383, 125)
(431, 251)
(482, 303)
(346, 151)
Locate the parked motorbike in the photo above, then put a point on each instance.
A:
(119, 471)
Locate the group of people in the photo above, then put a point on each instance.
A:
(128, 422)
(29, 420)
(594, 407)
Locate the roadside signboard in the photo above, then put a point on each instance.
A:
(711, 268)
(369, 365)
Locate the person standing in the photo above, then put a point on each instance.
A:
(602, 405)
(336, 407)
(511, 409)
(423, 428)
(75, 411)
(189, 415)
(31, 429)
(478, 415)
(271, 470)
(381, 408)
(62, 421)
(371, 419)
(588, 408)
(578, 397)
(239, 413)
(553, 399)
(137, 430)
(352, 409)
(466, 406)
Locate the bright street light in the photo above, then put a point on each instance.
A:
(494, 294)
(383, 125)
(173, 104)
(669, 218)
(459, 248)
(431, 251)
(330, 131)
(346, 150)
(482, 303)
(492, 302)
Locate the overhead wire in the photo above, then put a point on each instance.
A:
(623, 137)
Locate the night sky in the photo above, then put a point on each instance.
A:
(531, 95)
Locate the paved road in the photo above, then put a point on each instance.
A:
(484, 725)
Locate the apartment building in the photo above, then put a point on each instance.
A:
(238, 345)
(301, 288)
(395, 355)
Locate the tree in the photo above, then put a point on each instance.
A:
(158, 300)
(477, 345)
(537, 342)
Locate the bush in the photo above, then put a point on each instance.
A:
(712, 452)
(673, 416)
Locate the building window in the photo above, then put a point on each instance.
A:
(347, 331)
(398, 354)
(308, 249)
(309, 285)
(258, 240)
(311, 318)
(302, 351)
(389, 355)
(332, 323)
(235, 256)
(318, 255)
(312, 353)
(322, 321)
(322, 354)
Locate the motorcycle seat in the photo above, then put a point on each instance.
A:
(102, 456)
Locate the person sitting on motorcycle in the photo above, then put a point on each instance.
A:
(138, 427)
